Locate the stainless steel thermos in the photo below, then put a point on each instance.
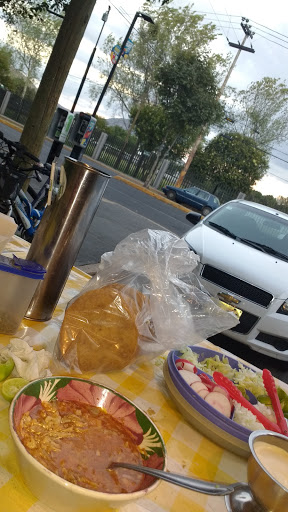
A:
(61, 233)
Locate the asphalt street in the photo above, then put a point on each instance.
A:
(124, 210)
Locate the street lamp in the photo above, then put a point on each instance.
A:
(138, 14)
(57, 145)
(104, 19)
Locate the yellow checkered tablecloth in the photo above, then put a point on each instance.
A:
(188, 451)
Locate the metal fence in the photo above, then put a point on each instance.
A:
(130, 159)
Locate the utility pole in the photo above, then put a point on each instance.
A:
(247, 31)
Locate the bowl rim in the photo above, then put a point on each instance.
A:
(267, 433)
(90, 493)
(243, 432)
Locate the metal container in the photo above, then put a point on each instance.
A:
(269, 493)
(61, 232)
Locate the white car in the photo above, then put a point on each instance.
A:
(243, 250)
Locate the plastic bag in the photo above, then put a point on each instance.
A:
(143, 300)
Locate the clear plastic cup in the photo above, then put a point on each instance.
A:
(7, 230)
(18, 281)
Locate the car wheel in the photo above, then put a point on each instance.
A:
(206, 210)
(171, 195)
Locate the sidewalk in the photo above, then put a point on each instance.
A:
(129, 180)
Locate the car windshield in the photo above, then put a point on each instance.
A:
(266, 232)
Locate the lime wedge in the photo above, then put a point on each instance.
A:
(11, 386)
(6, 368)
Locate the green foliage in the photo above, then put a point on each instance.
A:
(261, 111)
(101, 124)
(5, 67)
(187, 89)
(231, 160)
(12, 10)
(161, 2)
(150, 125)
(174, 30)
(9, 77)
(31, 42)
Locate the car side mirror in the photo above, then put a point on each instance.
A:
(193, 217)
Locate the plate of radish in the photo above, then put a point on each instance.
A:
(206, 404)
(203, 385)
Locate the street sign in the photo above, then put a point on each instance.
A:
(117, 48)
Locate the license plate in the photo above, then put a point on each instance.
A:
(228, 307)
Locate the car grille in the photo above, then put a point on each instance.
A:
(247, 322)
(233, 284)
(277, 342)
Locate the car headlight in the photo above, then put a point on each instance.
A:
(283, 310)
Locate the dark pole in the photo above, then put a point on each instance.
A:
(57, 146)
(137, 15)
(104, 19)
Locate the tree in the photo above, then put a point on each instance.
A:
(31, 42)
(187, 89)
(231, 159)
(174, 30)
(5, 67)
(150, 125)
(15, 9)
(261, 111)
(55, 74)
(10, 78)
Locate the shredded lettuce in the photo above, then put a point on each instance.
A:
(244, 378)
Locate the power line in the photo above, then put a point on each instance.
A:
(238, 16)
(220, 14)
(237, 23)
(276, 175)
(219, 22)
(279, 33)
(271, 41)
(276, 37)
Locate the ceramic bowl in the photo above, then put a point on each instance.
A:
(269, 493)
(54, 491)
(199, 413)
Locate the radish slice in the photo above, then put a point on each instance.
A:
(199, 386)
(183, 364)
(219, 389)
(220, 402)
(189, 377)
(203, 393)
(210, 385)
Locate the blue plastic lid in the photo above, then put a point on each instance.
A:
(20, 267)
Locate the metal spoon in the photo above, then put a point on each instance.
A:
(214, 489)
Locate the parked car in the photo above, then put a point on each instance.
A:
(193, 196)
(243, 250)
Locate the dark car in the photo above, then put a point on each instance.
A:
(199, 199)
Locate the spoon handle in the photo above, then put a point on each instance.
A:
(214, 489)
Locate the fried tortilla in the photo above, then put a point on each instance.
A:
(99, 331)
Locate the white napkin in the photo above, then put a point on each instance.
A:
(30, 364)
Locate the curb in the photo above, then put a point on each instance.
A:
(153, 193)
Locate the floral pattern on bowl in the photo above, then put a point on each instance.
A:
(143, 431)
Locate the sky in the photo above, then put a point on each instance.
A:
(269, 21)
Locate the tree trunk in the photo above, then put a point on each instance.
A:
(63, 53)
(190, 158)
(158, 163)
